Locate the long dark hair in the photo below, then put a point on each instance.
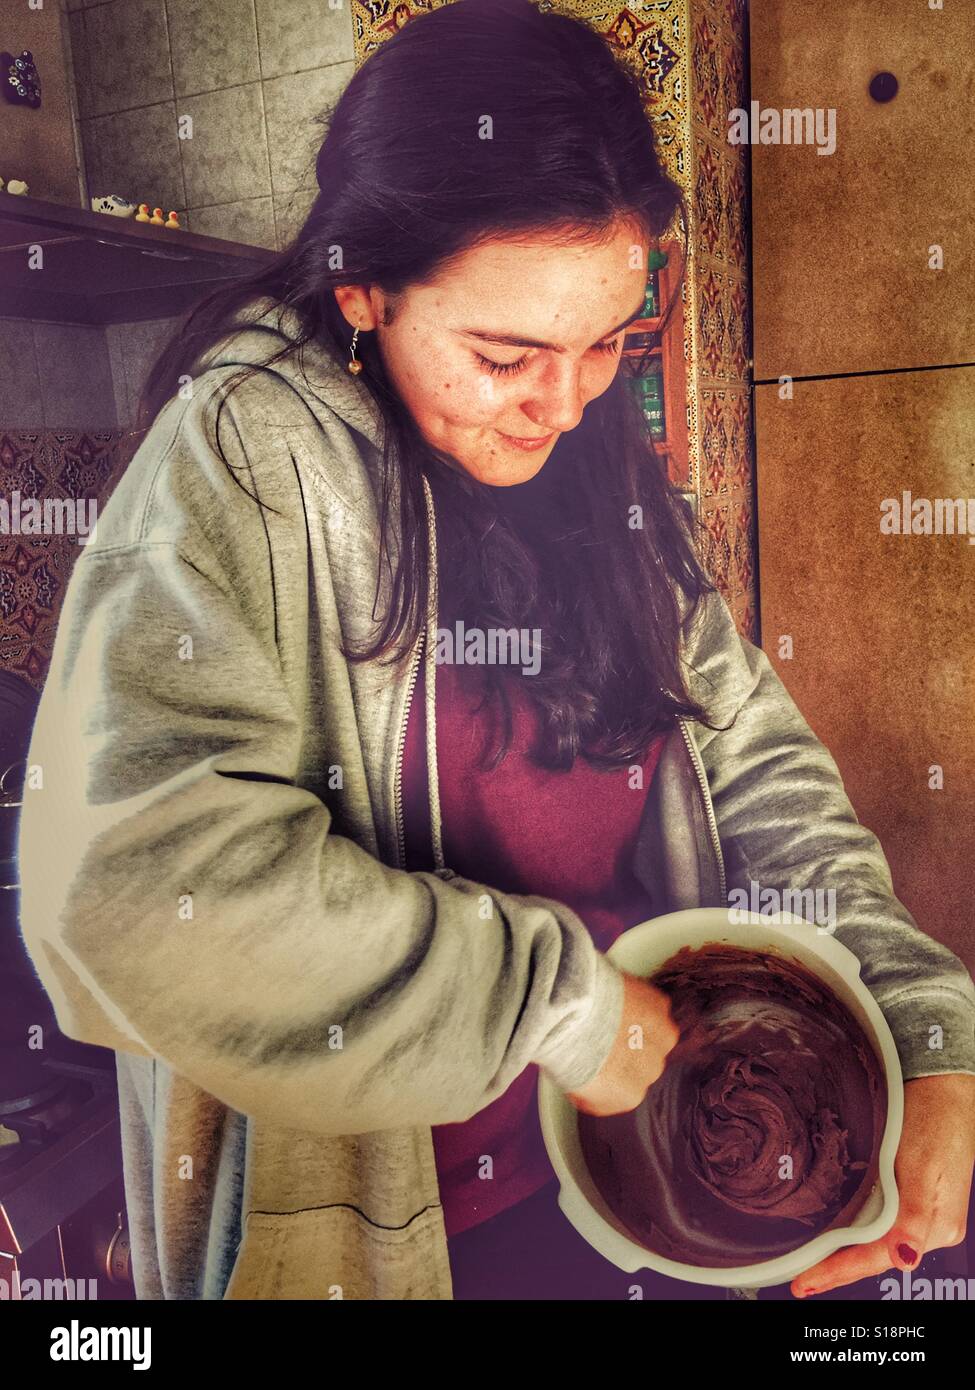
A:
(405, 187)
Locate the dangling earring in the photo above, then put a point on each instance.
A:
(355, 367)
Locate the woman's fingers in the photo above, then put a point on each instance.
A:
(934, 1174)
(844, 1266)
(918, 1227)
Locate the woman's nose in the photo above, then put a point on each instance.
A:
(557, 402)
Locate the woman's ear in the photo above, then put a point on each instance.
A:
(357, 305)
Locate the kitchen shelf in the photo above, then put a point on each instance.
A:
(99, 269)
(670, 354)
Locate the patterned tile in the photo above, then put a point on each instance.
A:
(34, 570)
(706, 66)
(717, 556)
(709, 200)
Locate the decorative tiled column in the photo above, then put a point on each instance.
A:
(691, 56)
(719, 375)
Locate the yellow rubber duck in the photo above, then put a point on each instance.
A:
(157, 218)
(143, 214)
(173, 221)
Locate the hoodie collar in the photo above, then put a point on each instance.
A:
(267, 326)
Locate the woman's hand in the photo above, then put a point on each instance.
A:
(638, 1056)
(933, 1169)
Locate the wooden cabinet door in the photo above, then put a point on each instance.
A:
(842, 281)
(883, 626)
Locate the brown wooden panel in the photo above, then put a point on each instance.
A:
(883, 625)
(841, 278)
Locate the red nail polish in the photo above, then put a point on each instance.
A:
(907, 1254)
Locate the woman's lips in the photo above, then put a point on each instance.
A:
(529, 445)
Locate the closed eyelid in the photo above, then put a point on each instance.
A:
(608, 349)
(510, 340)
(605, 345)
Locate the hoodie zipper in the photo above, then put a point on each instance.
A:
(708, 804)
(400, 748)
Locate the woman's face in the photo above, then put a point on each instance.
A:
(501, 354)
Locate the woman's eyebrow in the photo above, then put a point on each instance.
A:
(510, 340)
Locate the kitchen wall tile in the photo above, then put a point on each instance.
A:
(132, 349)
(79, 60)
(75, 376)
(128, 51)
(290, 212)
(251, 221)
(136, 154)
(226, 160)
(295, 108)
(118, 350)
(302, 34)
(212, 45)
(21, 404)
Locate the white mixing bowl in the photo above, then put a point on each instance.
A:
(643, 950)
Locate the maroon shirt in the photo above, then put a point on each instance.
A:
(521, 829)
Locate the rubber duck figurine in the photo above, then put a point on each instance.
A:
(173, 221)
(157, 218)
(143, 214)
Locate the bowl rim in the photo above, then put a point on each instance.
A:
(557, 1113)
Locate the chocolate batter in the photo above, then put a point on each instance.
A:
(770, 1064)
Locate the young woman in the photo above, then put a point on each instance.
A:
(392, 691)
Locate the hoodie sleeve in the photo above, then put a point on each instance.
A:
(183, 898)
(785, 822)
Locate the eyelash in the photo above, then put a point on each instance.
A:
(512, 368)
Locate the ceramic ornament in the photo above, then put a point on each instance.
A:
(22, 85)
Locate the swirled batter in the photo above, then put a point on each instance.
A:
(765, 1126)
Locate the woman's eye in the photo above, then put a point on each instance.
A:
(511, 368)
(501, 368)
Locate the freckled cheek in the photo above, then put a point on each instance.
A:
(466, 396)
(599, 379)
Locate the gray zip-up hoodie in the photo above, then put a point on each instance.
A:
(211, 864)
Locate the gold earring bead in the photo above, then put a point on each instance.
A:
(355, 367)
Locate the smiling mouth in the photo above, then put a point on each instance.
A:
(520, 442)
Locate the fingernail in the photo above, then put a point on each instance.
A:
(907, 1254)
